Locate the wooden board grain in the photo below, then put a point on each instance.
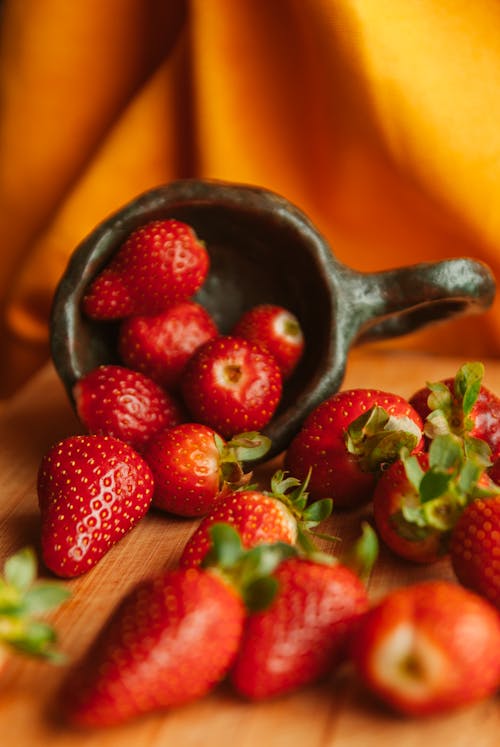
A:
(337, 713)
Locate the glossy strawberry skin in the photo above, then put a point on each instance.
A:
(475, 548)
(494, 471)
(232, 385)
(169, 642)
(429, 648)
(161, 345)
(320, 446)
(275, 329)
(417, 544)
(185, 464)
(159, 264)
(257, 517)
(115, 401)
(92, 490)
(485, 415)
(304, 634)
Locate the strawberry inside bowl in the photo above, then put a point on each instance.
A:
(262, 249)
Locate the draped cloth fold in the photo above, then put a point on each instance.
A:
(379, 119)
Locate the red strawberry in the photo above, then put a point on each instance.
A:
(428, 648)
(303, 634)
(419, 498)
(161, 345)
(275, 329)
(160, 264)
(475, 548)
(393, 499)
(173, 637)
(461, 405)
(169, 642)
(92, 490)
(114, 401)
(494, 471)
(347, 439)
(281, 515)
(232, 385)
(193, 466)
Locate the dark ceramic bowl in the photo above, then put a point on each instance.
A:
(264, 249)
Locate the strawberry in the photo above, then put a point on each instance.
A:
(92, 490)
(281, 515)
(494, 471)
(419, 498)
(429, 648)
(275, 329)
(232, 385)
(23, 600)
(161, 345)
(159, 264)
(193, 466)
(475, 548)
(172, 638)
(303, 634)
(115, 401)
(346, 441)
(169, 642)
(463, 406)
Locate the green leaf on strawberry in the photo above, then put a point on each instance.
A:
(248, 570)
(241, 448)
(460, 406)
(363, 554)
(376, 437)
(22, 600)
(451, 481)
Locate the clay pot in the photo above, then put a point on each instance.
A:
(264, 249)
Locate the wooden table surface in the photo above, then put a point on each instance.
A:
(334, 714)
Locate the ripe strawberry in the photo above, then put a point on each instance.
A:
(172, 638)
(419, 498)
(115, 401)
(475, 548)
(429, 648)
(275, 329)
(232, 385)
(303, 634)
(169, 642)
(461, 405)
(92, 490)
(161, 345)
(193, 466)
(281, 515)
(346, 441)
(160, 264)
(23, 600)
(494, 471)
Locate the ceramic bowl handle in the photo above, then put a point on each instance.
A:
(396, 302)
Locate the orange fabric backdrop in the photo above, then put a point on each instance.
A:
(379, 119)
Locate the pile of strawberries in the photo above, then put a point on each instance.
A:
(253, 600)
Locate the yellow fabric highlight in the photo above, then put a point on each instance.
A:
(379, 119)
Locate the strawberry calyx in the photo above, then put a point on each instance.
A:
(363, 553)
(23, 599)
(451, 481)
(450, 410)
(243, 447)
(249, 571)
(294, 495)
(376, 438)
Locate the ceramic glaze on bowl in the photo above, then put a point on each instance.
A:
(263, 249)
